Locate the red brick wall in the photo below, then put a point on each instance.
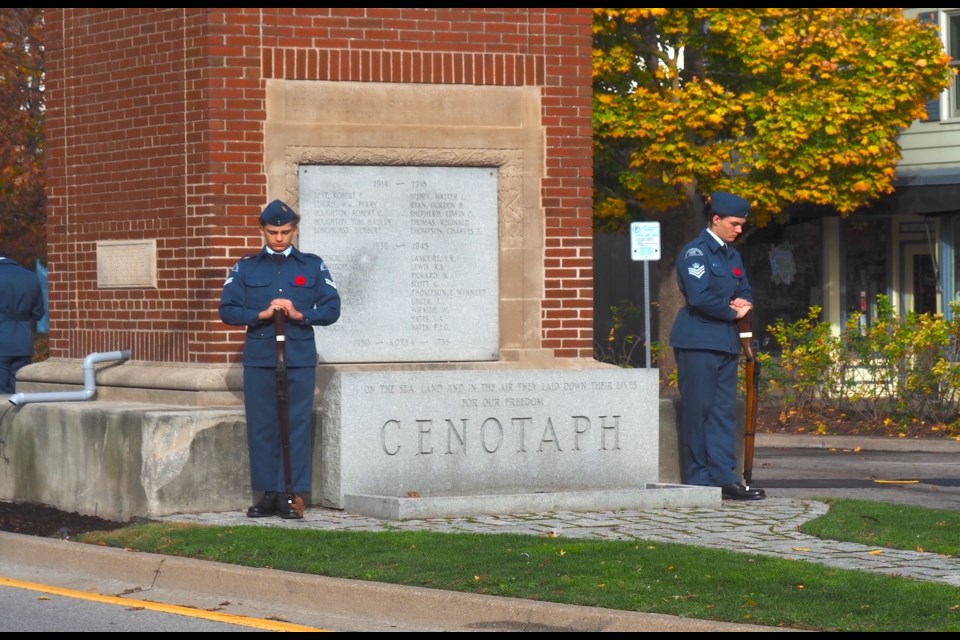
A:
(155, 131)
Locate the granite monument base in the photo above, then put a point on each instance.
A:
(390, 444)
(417, 444)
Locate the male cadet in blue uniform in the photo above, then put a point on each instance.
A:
(279, 277)
(706, 343)
(21, 305)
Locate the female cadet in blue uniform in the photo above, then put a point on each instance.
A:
(706, 342)
(279, 277)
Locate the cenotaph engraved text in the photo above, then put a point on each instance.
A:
(518, 417)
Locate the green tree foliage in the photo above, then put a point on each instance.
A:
(22, 185)
(781, 106)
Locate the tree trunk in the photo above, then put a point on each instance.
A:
(678, 227)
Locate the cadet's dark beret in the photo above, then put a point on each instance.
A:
(278, 214)
(726, 204)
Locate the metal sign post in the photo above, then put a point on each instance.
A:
(645, 246)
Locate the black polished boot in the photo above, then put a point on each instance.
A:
(266, 506)
(739, 492)
(290, 506)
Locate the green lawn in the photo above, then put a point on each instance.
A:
(655, 577)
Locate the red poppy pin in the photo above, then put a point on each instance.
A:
(300, 281)
(736, 272)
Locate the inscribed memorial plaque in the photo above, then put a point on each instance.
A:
(415, 255)
(126, 264)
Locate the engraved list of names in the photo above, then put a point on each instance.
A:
(414, 252)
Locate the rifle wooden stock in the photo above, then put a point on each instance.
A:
(752, 371)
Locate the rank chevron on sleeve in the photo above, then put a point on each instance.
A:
(696, 270)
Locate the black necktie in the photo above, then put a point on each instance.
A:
(279, 258)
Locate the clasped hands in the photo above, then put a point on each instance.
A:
(284, 304)
(741, 306)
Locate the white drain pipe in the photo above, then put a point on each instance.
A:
(89, 381)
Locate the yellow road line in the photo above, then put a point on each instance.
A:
(897, 481)
(229, 618)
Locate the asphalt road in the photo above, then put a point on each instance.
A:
(928, 479)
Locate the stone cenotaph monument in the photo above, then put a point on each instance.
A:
(441, 162)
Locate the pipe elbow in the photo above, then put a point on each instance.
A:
(18, 399)
(105, 356)
(89, 381)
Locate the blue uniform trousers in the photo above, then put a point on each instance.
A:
(9, 366)
(708, 390)
(263, 427)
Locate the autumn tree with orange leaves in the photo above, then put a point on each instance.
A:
(781, 106)
(23, 204)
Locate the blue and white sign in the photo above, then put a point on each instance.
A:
(645, 241)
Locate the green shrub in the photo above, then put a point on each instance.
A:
(623, 346)
(808, 370)
(893, 369)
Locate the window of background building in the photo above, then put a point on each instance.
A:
(865, 264)
(951, 265)
(785, 266)
(953, 48)
(951, 28)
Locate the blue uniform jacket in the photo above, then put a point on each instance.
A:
(21, 305)
(256, 280)
(709, 280)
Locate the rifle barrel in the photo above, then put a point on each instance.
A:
(279, 318)
(752, 374)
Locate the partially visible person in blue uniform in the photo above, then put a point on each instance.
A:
(259, 285)
(706, 343)
(21, 307)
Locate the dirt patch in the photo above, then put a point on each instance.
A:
(40, 520)
(829, 422)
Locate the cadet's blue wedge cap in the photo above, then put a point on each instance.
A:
(278, 214)
(726, 204)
